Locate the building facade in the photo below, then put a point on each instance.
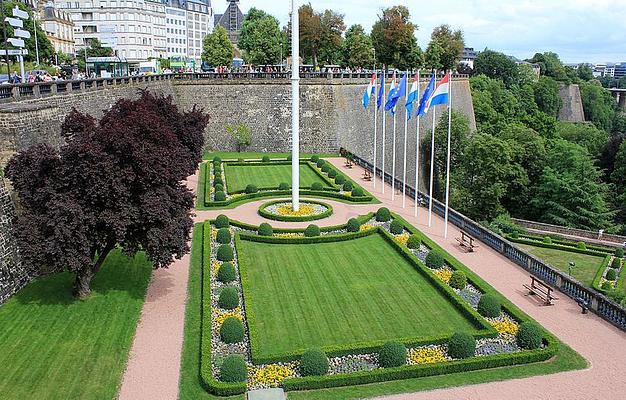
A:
(231, 20)
(59, 28)
(176, 28)
(468, 57)
(200, 20)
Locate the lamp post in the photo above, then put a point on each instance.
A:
(295, 107)
(571, 265)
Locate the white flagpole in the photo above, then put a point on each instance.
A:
(445, 223)
(432, 166)
(384, 128)
(417, 148)
(295, 107)
(406, 126)
(375, 124)
(393, 157)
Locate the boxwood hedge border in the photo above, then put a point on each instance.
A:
(284, 218)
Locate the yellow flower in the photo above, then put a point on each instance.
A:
(365, 227)
(506, 327)
(221, 316)
(426, 355)
(288, 235)
(269, 375)
(402, 239)
(287, 211)
(444, 274)
(215, 267)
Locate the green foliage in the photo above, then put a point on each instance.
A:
(414, 242)
(231, 330)
(584, 134)
(225, 253)
(340, 179)
(251, 189)
(496, 65)
(314, 362)
(229, 298)
(220, 196)
(489, 306)
(325, 168)
(312, 230)
(357, 49)
(619, 253)
(598, 104)
(317, 186)
(551, 66)
(383, 214)
(581, 245)
(434, 259)
(353, 225)
(432, 56)
(217, 160)
(356, 192)
(266, 159)
(234, 369)
(217, 50)
(265, 229)
(260, 38)
(222, 221)
(611, 274)
(315, 159)
(241, 133)
(226, 273)
(95, 49)
(392, 354)
(332, 174)
(547, 240)
(223, 236)
(547, 96)
(219, 187)
(606, 286)
(529, 336)
(347, 186)
(458, 280)
(461, 345)
(450, 43)
(218, 180)
(393, 37)
(320, 163)
(320, 35)
(283, 186)
(396, 227)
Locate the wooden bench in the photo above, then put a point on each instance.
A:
(542, 290)
(367, 175)
(467, 242)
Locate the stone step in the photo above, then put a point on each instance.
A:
(266, 394)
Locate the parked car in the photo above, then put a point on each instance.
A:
(4, 79)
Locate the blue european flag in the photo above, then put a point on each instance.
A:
(381, 92)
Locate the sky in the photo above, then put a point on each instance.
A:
(578, 30)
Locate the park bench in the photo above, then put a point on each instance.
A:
(583, 304)
(467, 242)
(542, 290)
(367, 175)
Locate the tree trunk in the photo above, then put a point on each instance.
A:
(82, 283)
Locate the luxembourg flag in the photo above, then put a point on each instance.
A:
(413, 95)
(441, 93)
(371, 90)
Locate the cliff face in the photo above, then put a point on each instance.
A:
(572, 110)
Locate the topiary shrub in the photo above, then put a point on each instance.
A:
(357, 192)
(325, 168)
(458, 280)
(222, 221)
(353, 225)
(314, 362)
(223, 236)
(251, 189)
(414, 242)
(529, 336)
(225, 253)
(217, 181)
(515, 235)
(434, 259)
(219, 187)
(229, 298)
(547, 240)
(231, 330)
(217, 160)
(581, 245)
(234, 369)
(383, 214)
(347, 186)
(265, 159)
(332, 174)
(606, 286)
(317, 186)
(289, 157)
(396, 227)
(320, 162)
(265, 229)
(619, 253)
(226, 273)
(616, 263)
(220, 196)
(461, 345)
(611, 274)
(489, 306)
(283, 186)
(312, 230)
(340, 179)
(392, 354)
(315, 159)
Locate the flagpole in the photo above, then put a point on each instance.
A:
(384, 128)
(375, 124)
(432, 166)
(417, 148)
(406, 127)
(445, 229)
(295, 107)
(393, 159)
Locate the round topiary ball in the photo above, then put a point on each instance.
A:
(225, 253)
(223, 236)
(314, 362)
(219, 187)
(611, 274)
(547, 240)
(353, 225)
(234, 369)
(461, 345)
(458, 280)
(229, 298)
(217, 160)
(283, 186)
(529, 336)
(231, 330)
(226, 273)
(581, 245)
(414, 242)
(312, 230)
(222, 221)
(317, 186)
(320, 162)
(340, 179)
(396, 227)
(347, 186)
(266, 159)
(619, 253)
(217, 180)
(357, 192)
(383, 214)
(489, 306)
(332, 174)
(392, 354)
(265, 229)
(315, 159)
(251, 189)
(325, 168)
(616, 263)
(434, 259)
(220, 196)
(606, 286)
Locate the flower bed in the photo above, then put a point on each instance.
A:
(282, 210)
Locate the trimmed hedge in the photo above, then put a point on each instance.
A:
(265, 159)
(461, 345)
(396, 227)
(217, 160)
(383, 214)
(226, 273)
(458, 280)
(231, 330)
(340, 179)
(353, 225)
(315, 158)
(332, 174)
(615, 264)
(234, 369)
(581, 245)
(222, 221)
(414, 242)
(266, 214)
(327, 193)
(347, 186)
(228, 298)
(317, 186)
(489, 306)
(358, 192)
(220, 196)
(225, 253)
(325, 168)
(312, 231)
(265, 229)
(223, 236)
(434, 259)
(619, 253)
(251, 189)
(283, 186)
(556, 246)
(320, 163)
(314, 362)
(392, 354)
(547, 240)
(611, 274)
(529, 336)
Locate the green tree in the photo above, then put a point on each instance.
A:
(217, 50)
(547, 97)
(241, 133)
(598, 104)
(585, 135)
(433, 55)
(451, 44)
(357, 48)
(393, 37)
(551, 65)
(332, 37)
(584, 72)
(260, 38)
(46, 50)
(310, 33)
(496, 66)
(95, 49)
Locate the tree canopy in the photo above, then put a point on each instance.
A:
(357, 48)
(217, 50)
(320, 35)
(451, 45)
(44, 46)
(260, 38)
(496, 66)
(393, 37)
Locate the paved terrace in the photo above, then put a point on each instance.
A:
(154, 363)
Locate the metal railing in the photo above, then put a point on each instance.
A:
(598, 303)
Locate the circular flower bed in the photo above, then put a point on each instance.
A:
(281, 210)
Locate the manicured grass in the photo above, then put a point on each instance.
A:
(54, 347)
(325, 294)
(586, 265)
(267, 176)
(233, 155)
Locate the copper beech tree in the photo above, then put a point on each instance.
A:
(115, 182)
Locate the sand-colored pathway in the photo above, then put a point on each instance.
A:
(154, 364)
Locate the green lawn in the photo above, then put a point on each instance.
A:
(586, 265)
(267, 176)
(53, 347)
(348, 292)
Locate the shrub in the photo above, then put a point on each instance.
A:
(222, 221)
(615, 264)
(414, 242)
(317, 186)
(219, 187)
(515, 235)
(266, 159)
(217, 160)
(547, 240)
(619, 253)
(241, 159)
(529, 336)
(231, 330)
(218, 181)
(340, 179)
(312, 230)
(489, 306)
(383, 214)
(226, 273)
(458, 280)
(314, 362)
(325, 168)
(315, 159)
(225, 253)
(332, 174)
(289, 157)
(347, 186)
(396, 227)
(233, 369)
(606, 286)
(392, 354)
(251, 189)
(461, 345)
(220, 196)
(320, 162)
(229, 298)
(353, 225)
(357, 192)
(434, 259)
(581, 245)
(265, 229)
(217, 167)
(611, 274)
(283, 186)
(223, 236)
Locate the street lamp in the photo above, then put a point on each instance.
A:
(572, 264)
